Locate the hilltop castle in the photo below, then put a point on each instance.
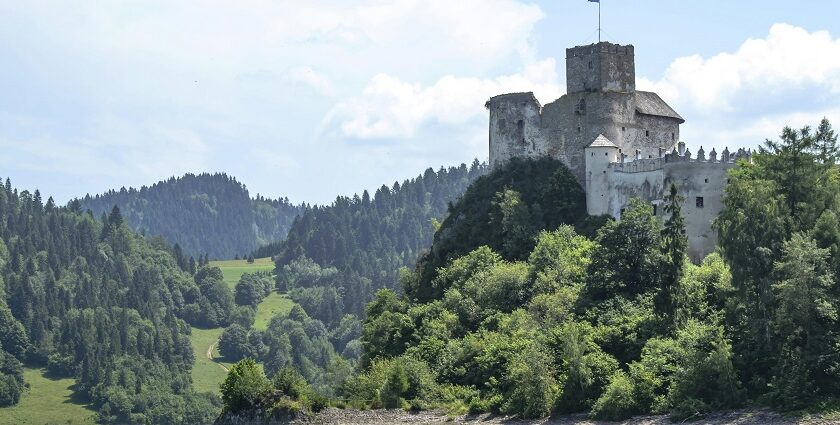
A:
(618, 141)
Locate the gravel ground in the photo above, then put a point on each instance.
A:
(383, 417)
(377, 417)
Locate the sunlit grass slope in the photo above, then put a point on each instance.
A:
(48, 401)
(232, 270)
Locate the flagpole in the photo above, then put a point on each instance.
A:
(599, 21)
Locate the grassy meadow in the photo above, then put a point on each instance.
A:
(206, 373)
(275, 303)
(47, 401)
(232, 270)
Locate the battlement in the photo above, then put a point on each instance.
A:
(600, 67)
(680, 154)
(604, 47)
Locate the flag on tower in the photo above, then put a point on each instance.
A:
(595, 1)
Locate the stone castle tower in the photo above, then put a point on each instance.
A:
(619, 142)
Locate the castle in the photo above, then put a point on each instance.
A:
(619, 142)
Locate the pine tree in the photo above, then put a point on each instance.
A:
(826, 143)
(674, 245)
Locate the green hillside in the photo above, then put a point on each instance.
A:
(204, 214)
(48, 401)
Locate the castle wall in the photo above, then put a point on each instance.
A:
(571, 123)
(699, 179)
(515, 128)
(649, 133)
(640, 179)
(650, 179)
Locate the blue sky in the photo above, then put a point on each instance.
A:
(313, 99)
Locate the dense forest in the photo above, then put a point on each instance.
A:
(362, 242)
(210, 214)
(331, 264)
(93, 300)
(520, 307)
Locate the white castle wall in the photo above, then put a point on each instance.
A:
(650, 179)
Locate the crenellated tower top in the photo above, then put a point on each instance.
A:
(604, 67)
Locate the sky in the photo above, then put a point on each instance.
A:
(313, 99)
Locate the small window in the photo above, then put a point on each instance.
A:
(622, 128)
(647, 133)
(606, 153)
(520, 125)
(578, 129)
(705, 180)
(592, 154)
(590, 64)
(654, 209)
(621, 213)
(672, 137)
(698, 202)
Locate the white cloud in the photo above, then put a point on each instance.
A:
(790, 77)
(226, 36)
(390, 107)
(789, 57)
(310, 77)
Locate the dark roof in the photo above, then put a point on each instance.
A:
(602, 142)
(515, 97)
(650, 103)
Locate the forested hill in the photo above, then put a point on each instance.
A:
(369, 238)
(204, 214)
(92, 300)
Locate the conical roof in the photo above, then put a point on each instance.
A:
(602, 142)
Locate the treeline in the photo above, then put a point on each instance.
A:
(335, 258)
(362, 242)
(529, 321)
(92, 300)
(204, 214)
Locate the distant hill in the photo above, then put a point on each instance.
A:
(368, 238)
(204, 214)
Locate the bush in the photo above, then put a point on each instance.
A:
(245, 386)
(393, 382)
(233, 344)
(243, 315)
(396, 385)
(617, 402)
(291, 383)
(534, 386)
(11, 379)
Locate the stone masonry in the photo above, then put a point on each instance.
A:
(618, 142)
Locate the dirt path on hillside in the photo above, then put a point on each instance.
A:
(209, 355)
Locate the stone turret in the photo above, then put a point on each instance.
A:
(599, 155)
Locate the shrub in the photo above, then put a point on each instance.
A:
(534, 386)
(291, 383)
(245, 386)
(617, 402)
(396, 385)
